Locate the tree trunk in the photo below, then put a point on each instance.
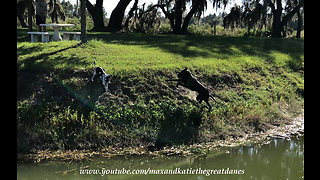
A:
(97, 15)
(21, 6)
(214, 28)
(83, 21)
(168, 15)
(76, 11)
(277, 24)
(30, 14)
(178, 17)
(189, 16)
(299, 28)
(116, 18)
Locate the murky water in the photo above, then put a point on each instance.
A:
(280, 159)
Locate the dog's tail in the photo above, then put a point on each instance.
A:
(213, 98)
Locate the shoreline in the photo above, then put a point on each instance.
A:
(286, 131)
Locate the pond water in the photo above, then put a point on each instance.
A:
(280, 159)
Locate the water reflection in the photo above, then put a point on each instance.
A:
(280, 159)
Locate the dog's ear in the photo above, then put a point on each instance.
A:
(185, 68)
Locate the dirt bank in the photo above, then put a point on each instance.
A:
(295, 128)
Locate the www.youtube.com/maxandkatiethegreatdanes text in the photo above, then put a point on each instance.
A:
(149, 171)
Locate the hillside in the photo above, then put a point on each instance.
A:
(58, 107)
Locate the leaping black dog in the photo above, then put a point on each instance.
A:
(105, 78)
(186, 79)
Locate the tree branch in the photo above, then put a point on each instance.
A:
(89, 6)
(293, 12)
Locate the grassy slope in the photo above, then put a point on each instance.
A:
(58, 107)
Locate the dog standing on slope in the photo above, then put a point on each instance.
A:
(105, 78)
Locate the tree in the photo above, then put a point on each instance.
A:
(21, 6)
(116, 17)
(299, 27)
(174, 11)
(280, 21)
(55, 11)
(213, 20)
(96, 12)
(141, 20)
(197, 8)
(130, 14)
(291, 5)
(31, 12)
(83, 21)
(233, 18)
(254, 14)
(68, 8)
(76, 9)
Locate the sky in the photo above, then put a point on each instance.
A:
(109, 5)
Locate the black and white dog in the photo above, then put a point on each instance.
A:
(105, 78)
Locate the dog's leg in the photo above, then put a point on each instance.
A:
(104, 83)
(208, 104)
(200, 101)
(94, 74)
(103, 80)
(106, 87)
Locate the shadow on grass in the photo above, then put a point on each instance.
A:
(218, 47)
(223, 47)
(45, 65)
(33, 72)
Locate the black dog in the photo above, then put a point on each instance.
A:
(187, 80)
(105, 78)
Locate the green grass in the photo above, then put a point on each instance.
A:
(59, 107)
